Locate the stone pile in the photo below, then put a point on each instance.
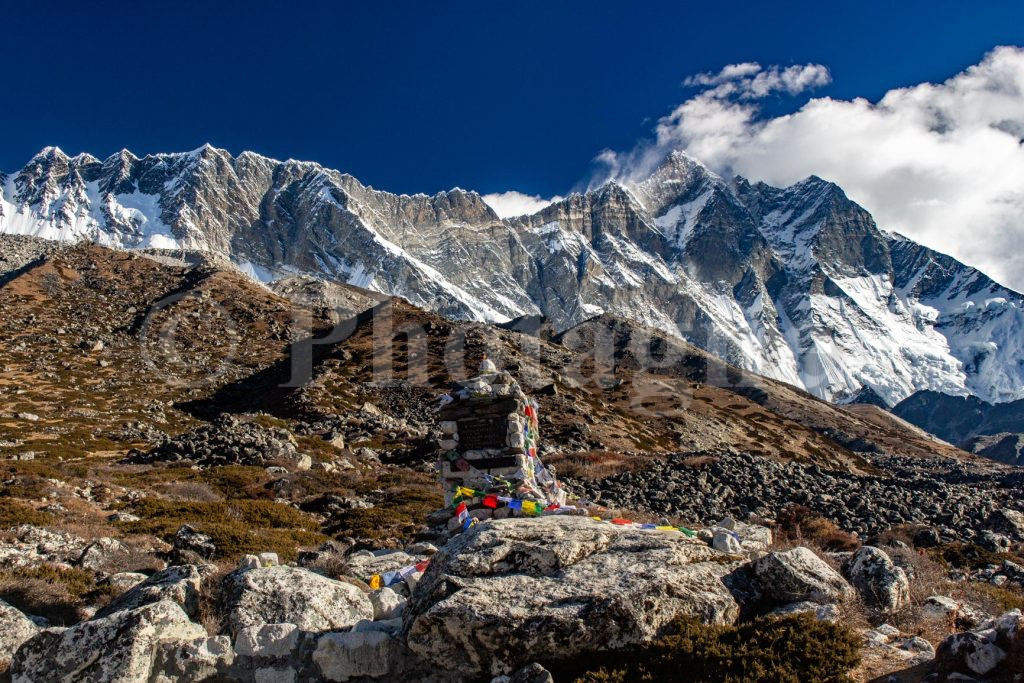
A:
(954, 497)
(227, 441)
(489, 440)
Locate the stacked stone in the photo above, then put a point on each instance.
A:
(483, 431)
(489, 439)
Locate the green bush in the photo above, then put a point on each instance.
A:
(399, 515)
(796, 649)
(13, 513)
(968, 556)
(238, 527)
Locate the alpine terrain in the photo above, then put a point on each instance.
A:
(798, 284)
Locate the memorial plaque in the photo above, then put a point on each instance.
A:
(482, 432)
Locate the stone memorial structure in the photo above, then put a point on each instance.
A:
(489, 440)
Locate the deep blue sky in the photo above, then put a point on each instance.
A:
(424, 96)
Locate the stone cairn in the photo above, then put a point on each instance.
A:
(489, 462)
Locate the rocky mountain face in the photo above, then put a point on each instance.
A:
(995, 431)
(796, 283)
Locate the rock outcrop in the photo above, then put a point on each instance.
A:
(180, 584)
(995, 648)
(798, 575)
(196, 660)
(517, 590)
(15, 629)
(878, 580)
(291, 595)
(120, 648)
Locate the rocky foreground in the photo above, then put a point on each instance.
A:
(500, 602)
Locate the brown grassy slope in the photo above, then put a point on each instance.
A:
(218, 341)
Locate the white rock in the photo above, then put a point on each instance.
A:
(727, 523)
(269, 560)
(983, 651)
(181, 584)
(797, 575)
(371, 654)
(726, 542)
(421, 548)
(550, 587)
(390, 626)
(120, 648)
(101, 551)
(878, 580)
(888, 630)
(126, 580)
(196, 660)
(362, 566)
(248, 562)
(15, 629)
(829, 613)
(275, 595)
(872, 638)
(269, 640)
(754, 537)
(387, 604)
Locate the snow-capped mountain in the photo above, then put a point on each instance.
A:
(795, 283)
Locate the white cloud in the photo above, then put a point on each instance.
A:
(750, 81)
(941, 163)
(512, 203)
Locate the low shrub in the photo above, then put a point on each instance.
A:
(14, 513)
(968, 556)
(785, 650)
(238, 527)
(995, 599)
(397, 515)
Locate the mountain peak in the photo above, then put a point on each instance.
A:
(49, 153)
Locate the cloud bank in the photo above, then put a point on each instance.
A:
(941, 163)
(512, 203)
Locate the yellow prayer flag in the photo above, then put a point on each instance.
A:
(375, 582)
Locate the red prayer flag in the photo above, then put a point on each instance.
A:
(491, 501)
(619, 520)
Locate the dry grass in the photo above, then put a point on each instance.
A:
(805, 526)
(210, 601)
(993, 599)
(594, 465)
(193, 491)
(237, 527)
